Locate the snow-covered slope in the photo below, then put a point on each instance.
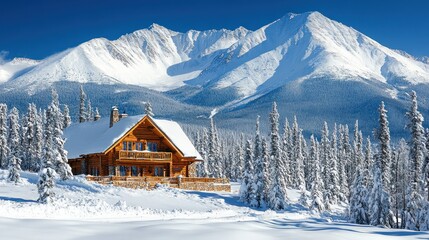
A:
(86, 210)
(156, 58)
(294, 60)
(9, 70)
(293, 48)
(305, 46)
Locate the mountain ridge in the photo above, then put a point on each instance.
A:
(238, 71)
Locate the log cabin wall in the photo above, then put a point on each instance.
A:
(142, 135)
(75, 165)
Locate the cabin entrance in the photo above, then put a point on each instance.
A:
(159, 171)
(143, 170)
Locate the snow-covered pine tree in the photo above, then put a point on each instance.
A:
(325, 152)
(4, 148)
(82, 108)
(67, 118)
(257, 152)
(368, 163)
(222, 158)
(37, 147)
(400, 181)
(317, 200)
(248, 188)
(417, 155)
(47, 174)
(229, 163)
(259, 170)
(358, 207)
(297, 160)
(277, 197)
(305, 164)
(14, 141)
(344, 156)
(89, 112)
(202, 149)
(46, 183)
(357, 153)
(148, 109)
(334, 186)
(417, 142)
(214, 163)
(220, 154)
(266, 181)
(28, 133)
(238, 170)
(380, 199)
(358, 199)
(426, 165)
(286, 145)
(197, 144)
(55, 120)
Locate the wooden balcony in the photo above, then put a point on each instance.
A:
(144, 155)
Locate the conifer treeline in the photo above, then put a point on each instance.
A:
(34, 142)
(382, 184)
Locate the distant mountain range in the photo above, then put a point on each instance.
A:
(314, 67)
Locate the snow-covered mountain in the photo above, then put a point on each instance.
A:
(313, 66)
(12, 69)
(156, 58)
(296, 48)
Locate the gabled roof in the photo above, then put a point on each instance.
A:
(97, 137)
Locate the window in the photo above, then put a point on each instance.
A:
(134, 171)
(159, 171)
(139, 146)
(127, 145)
(94, 171)
(122, 170)
(152, 146)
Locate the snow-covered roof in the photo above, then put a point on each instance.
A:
(97, 137)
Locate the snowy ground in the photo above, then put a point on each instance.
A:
(86, 210)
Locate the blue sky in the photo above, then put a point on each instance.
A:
(37, 29)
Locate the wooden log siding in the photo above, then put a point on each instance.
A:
(142, 155)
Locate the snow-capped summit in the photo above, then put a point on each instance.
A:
(307, 46)
(306, 59)
(295, 47)
(156, 57)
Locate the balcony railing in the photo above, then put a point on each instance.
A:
(144, 155)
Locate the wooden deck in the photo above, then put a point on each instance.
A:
(200, 184)
(145, 155)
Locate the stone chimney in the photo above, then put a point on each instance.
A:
(114, 116)
(123, 115)
(96, 115)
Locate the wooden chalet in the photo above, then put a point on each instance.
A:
(135, 146)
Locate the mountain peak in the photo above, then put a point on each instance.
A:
(157, 27)
(295, 47)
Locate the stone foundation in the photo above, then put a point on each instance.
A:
(197, 184)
